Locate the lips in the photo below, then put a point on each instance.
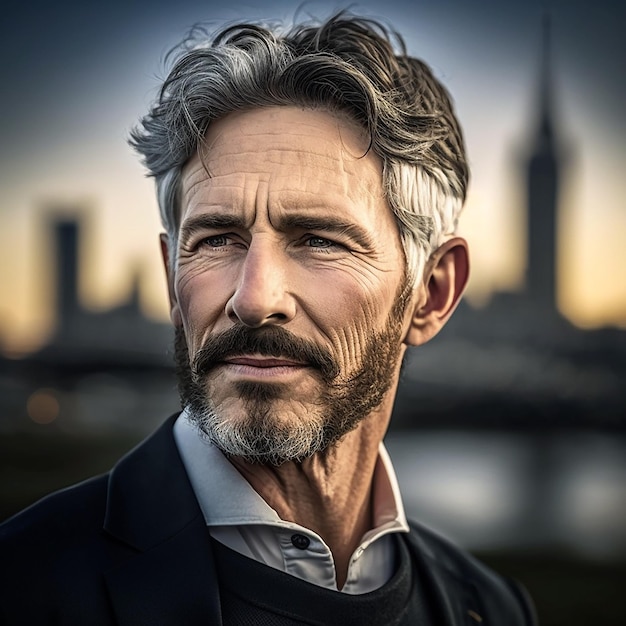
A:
(262, 362)
(262, 368)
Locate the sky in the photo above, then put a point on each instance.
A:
(75, 78)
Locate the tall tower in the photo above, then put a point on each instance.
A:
(543, 188)
(67, 238)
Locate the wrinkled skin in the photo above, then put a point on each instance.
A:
(290, 233)
(284, 226)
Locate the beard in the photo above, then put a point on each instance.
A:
(261, 434)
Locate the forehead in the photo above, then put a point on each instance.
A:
(298, 155)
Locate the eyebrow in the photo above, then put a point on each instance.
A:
(328, 223)
(208, 221)
(325, 223)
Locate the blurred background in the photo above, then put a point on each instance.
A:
(509, 431)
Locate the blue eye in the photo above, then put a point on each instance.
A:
(216, 241)
(320, 242)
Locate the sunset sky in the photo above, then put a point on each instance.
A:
(76, 77)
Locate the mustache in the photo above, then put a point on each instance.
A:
(272, 341)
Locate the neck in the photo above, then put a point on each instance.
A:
(330, 492)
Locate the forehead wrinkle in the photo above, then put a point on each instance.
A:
(283, 136)
(299, 159)
(313, 201)
(322, 151)
(309, 178)
(191, 179)
(204, 194)
(309, 160)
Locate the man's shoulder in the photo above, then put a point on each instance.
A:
(58, 519)
(70, 513)
(451, 570)
(48, 553)
(448, 556)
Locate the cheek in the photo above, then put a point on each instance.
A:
(201, 301)
(347, 289)
(349, 314)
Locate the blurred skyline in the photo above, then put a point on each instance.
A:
(76, 78)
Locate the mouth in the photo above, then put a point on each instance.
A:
(261, 361)
(257, 366)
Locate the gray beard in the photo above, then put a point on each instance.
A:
(262, 438)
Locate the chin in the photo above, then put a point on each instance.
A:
(269, 433)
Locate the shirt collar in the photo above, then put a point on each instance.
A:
(212, 476)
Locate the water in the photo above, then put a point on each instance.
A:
(489, 490)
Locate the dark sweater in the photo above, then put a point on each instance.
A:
(254, 594)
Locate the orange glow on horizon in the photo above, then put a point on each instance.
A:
(120, 237)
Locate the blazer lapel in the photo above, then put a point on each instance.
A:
(170, 577)
(453, 597)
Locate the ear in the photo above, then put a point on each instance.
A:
(168, 256)
(445, 278)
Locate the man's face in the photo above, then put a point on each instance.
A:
(289, 284)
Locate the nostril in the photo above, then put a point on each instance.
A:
(254, 317)
(278, 316)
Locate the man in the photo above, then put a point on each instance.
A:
(310, 185)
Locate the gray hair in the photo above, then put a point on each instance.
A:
(346, 65)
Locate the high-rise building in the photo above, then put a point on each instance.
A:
(543, 193)
(67, 237)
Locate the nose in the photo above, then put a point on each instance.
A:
(262, 297)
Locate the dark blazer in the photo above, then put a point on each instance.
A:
(131, 548)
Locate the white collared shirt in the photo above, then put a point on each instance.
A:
(239, 517)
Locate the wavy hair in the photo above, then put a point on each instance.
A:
(348, 65)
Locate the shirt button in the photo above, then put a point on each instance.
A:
(300, 541)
